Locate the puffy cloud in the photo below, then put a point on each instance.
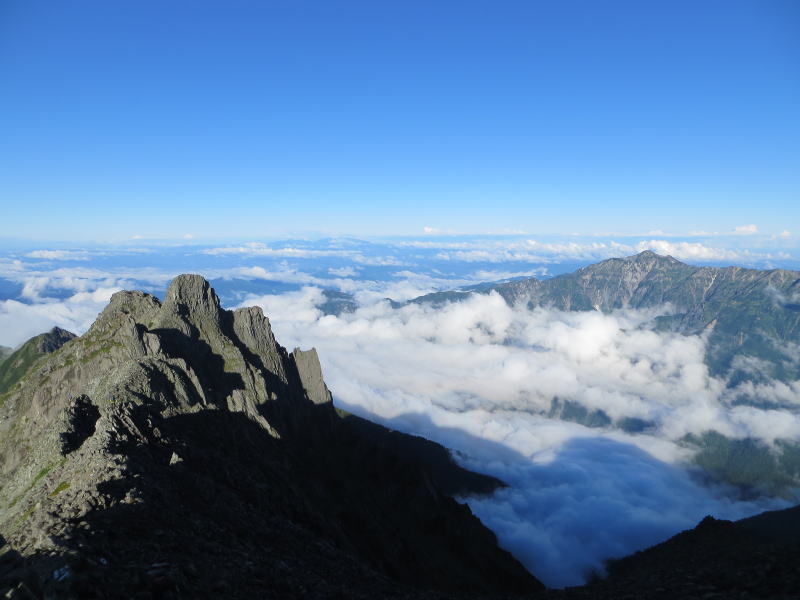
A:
(745, 229)
(690, 250)
(503, 358)
(20, 321)
(343, 271)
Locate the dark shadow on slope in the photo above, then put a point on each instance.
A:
(452, 479)
(608, 496)
(215, 507)
(208, 366)
(716, 559)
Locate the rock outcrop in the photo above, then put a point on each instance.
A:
(176, 450)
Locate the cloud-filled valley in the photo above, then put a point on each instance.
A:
(491, 381)
(482, 370)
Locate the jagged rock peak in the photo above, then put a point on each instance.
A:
(53, 340)
(194, 293)
(140, 306)
(310, 371)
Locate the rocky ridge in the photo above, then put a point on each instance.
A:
(177, 450)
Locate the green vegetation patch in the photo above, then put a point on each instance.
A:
(567, 410)
(39, 476)
(16, 366)
(103, 349)
(60, 488)
(342, 413)
(748, 463)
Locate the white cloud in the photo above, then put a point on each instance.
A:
(514, 359)
(259, 249)
(343, 271)
(745, 229)
(20, 321)
(430, 230)
(59, 254)
(534, 251)
(689, 250)
(380, 261)
(485, 275)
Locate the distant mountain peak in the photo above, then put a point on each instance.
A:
(648, 256)
(54, 339)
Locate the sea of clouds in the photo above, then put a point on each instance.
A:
(477, 376)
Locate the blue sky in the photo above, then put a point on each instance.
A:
(161, 119)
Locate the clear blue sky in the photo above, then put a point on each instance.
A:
(160, 118)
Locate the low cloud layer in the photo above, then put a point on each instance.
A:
(532, 250)
(20, 321)
(479, 377)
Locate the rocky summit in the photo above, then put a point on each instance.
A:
(176, 450)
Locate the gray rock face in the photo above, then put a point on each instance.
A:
(311, 375)
(184, 435)
(53, 340)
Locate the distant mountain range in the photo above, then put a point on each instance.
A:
(748, 312)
